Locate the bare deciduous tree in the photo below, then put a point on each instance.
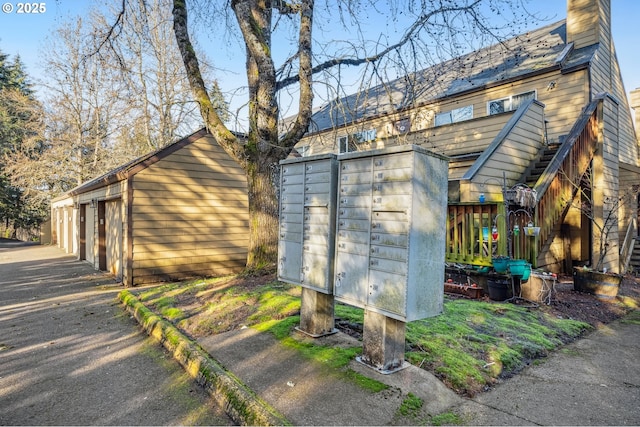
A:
(435, 29)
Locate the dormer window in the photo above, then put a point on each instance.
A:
(509, 103)
(453, 116)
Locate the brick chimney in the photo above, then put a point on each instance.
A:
(588, 22)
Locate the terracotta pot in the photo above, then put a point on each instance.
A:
(604, 286)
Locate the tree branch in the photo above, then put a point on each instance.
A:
(220, 132)
(305, 76)
(415, 28)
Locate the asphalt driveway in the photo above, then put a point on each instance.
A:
(70, 355)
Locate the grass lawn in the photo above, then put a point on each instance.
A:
(469, 346)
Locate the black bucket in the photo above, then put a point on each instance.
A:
(499, 289)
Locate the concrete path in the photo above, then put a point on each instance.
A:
(70, 355)
(593, 381)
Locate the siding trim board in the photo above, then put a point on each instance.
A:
(128, 267)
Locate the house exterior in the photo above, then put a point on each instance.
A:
(176, 213)
(534, 113)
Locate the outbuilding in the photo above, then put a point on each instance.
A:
(176, 213)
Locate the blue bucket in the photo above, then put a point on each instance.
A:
(500, 264)
(517, 267)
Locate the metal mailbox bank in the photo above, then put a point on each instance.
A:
(391, 234)
(306, 243)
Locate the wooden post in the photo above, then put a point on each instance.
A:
(316, 313)
(383, 343)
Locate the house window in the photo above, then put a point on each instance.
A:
(510, 103)
(346, 144)
(453, 116)
(349, 143)
(304, 150)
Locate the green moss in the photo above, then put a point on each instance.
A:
(632, 319)
(447, 418)
(468, 347)
(172, 313)
(410, 406)
(365, 382)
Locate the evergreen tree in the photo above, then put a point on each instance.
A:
(19, 136)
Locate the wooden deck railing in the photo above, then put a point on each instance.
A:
(467, 244)
(469, 237)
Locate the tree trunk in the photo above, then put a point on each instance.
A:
(262, 149)
(263, 216)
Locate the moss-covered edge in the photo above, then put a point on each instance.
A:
(239, 401)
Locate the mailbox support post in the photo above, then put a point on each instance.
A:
(383, 343)
(316, 314)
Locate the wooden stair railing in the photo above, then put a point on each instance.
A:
(555, 187)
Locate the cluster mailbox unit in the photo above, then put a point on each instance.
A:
(391, 231)
(307, 221)
(368, 229)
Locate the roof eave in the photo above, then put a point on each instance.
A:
(143, 163)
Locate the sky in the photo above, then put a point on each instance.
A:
(24, 33)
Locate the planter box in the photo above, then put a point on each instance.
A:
(604, 286)
(467, 291)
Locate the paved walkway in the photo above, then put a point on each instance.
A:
(593, 381)
(69, 355)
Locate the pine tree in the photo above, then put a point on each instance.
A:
(19, 137)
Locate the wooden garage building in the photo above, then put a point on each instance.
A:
(176, 213)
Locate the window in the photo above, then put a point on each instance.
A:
(453, 116)
(347, 144)
(304, 150)
(510, 103)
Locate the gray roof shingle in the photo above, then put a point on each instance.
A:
(532, 52)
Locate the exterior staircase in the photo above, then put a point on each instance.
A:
(539, 166)
(634, 264)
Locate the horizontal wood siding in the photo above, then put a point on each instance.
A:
(563, 104)
(511, 157)
(609, 189)
(627, 142)
(457, 139)
(588, 22)
(190, 215)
